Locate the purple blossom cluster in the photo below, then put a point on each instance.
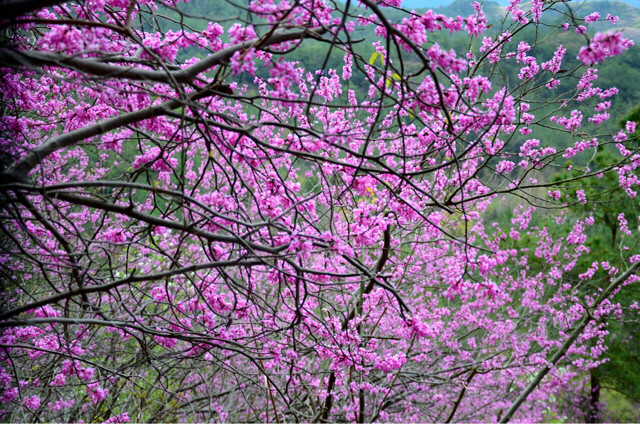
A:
(200, 228)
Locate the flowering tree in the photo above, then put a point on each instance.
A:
(196, 227)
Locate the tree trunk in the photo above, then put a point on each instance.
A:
(593, 414)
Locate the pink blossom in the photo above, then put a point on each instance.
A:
(554, 194)
(61, 404)
(595, 16)
(32, 402)
(552, 83)
(9, 394)
(505, 167)
(446, 60)
(553, 65)
(620, 137)
(624, 225)
(85, 374)
(536, 9)
(156, 158)
(117, 419)
(603, 46)
(46, 311)
(58, 380)
(96, 393)
(238, 33)
(391, 363)
(582, 198)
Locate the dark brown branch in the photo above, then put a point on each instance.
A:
(474, 371)
(130, 279)
(19, 170)
(580, 327)
(93, 67)
(372, 281)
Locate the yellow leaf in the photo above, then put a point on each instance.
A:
(373, 58)
(373, 195)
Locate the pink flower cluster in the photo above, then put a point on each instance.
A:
(309, 243)
(158, 160)
(603, 46)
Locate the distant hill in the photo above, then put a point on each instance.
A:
(494, 9)
(628, 14)
(430, 4)
(425, 4)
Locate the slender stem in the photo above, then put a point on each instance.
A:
(474, 371)
(582, 324)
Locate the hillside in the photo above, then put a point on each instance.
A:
(442, 3)
(628, 12)
(629, 15)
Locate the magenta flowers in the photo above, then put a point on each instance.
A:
(603, 46)
(302, 211)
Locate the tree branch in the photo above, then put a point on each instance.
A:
(94, 67)
(128, 280)
(582, 324)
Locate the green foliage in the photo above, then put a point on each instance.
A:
(633, 115)
(621, 408)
